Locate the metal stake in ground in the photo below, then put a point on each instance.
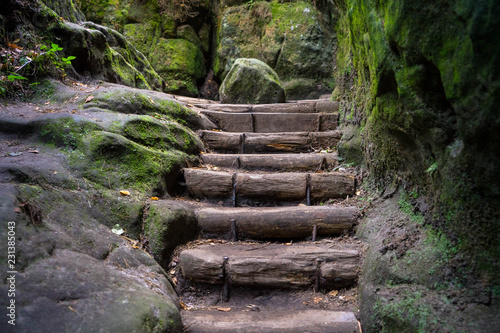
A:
(226, 278)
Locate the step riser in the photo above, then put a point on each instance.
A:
(276, 222)
(273, 266)
(246, 143)
(284, 186)
(311, 321)
(321, 106)
(273, 122)
(282, 162)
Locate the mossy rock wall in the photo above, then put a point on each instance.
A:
(177, 43)
(294, 38)
(419, 85)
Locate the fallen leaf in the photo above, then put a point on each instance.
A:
(333, 293)
(37, 108)
(154, 198)
(34, 151)
(17, 210)
(224, 309)
(117, 229)
(69, 306)
(183, 306)
(317, 300)
(89, 99)
(125, 193)
(48, 102)
(55, 172)
(15, 154)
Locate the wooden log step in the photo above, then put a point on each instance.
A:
(289, 162)
(273, 122)
(294, 142)
(287, 185)
(278, 321)
(272, 265)
(276, 222)
(306, 106)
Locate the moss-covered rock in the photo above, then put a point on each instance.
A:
(294, 38)
(174, 49)
(251, 81)
(419, 79)
(136, 101)
(180, 62)
(69, 259)
(168, 224)
(67, 9)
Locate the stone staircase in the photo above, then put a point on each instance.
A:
(266, 237)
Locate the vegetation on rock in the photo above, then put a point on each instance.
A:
(418, 90)
(251, 81)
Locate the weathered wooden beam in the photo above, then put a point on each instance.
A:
(274, 321)
(290, 162)
(304, 106)
(298, 142)
(276, 222)
(203, 183)
(290, 185)
(328, 185)
(273, 122)
(272, 265)
(287, 185)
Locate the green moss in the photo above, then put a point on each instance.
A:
(291, 38)
(66, 132)
(118, 162)
(167, 225)
(127, 74)
(410, 313)
(110, 209)
(131, 101)
(180, 63)
(161, 135)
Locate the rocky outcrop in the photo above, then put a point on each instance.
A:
(174, 37)
(100, 52)
(251, 81)
(419, 89)
(295, 39)
(84, 162)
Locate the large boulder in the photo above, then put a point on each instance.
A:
(295, 39)
(251, 81)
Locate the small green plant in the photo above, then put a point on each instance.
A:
(432, 168)
(67, 60)
(18, 64)
(14, 77)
